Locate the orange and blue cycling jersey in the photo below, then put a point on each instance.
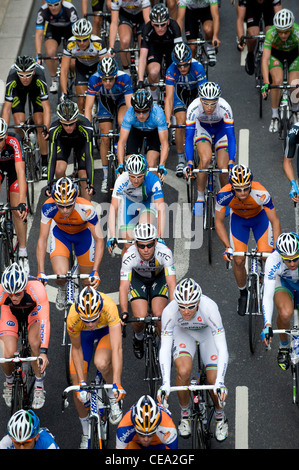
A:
(246, 215)
(166, 436)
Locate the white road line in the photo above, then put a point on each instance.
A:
(241, 418)
(244, 147)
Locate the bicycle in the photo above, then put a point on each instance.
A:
(98, 417)
(23, 375)
(151, 351)
(255, 288)
(258, 53)
(104, 31)
(112, 158)
(160, 85)
(134, 57)
(202, 54)
(32, 158)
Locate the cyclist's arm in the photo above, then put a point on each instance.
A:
(97, 234)
(232, 145)
(46, 113)
(84, 7)
(123, 137)
(64, 70)
(41, 247)
(220, 228)
(268, 300)
(128, 98)
(171, 283)
(117, 351)
(163, 136)
(77, 356)
(288, 168)
(241, 14)
(124, 288)
(39, 33)
(169, 103)
(6, 111)
(189, 142)
(113, 27)
(265, 65)
(89, 102)
(146, 14)
(216, 23)
(52, 156)
(112, 216)
(21, 176)
(160, 206)
(142, 63)
(181, 16)
(275, 222)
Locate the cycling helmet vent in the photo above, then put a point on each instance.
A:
(240, 176)
(3, 127)
(25, 64)
(159, 13)
(187, 292)
(209, 91)
(82, 27)
(283, 20)
(14, 279)
(67, 111)
(145, 232)
(181, 53)
(142, 100)
(23, 425)
(136, 164)
(287, 244)
(64, 191)
(146, 415)
(107, 67)
(89, 304)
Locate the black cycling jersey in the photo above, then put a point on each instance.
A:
(292, 141)
(80, 141)
(66, 17)
(150, 37)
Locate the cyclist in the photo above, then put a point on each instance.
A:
(23, 298)
(281, 284)
(24, 432)
(86, 50)
(137, 196)
(94, 318)
(147, 425)
(189, 319)
(281, 42)
(26, 77)
(125, 16)
(158, 39)
(183, 78)
(289, 154)
(114, 90)
(144, 119)
(147, 273)
(209, 116)
(250, 12)
(71, 131)
(54, 23)
(97, 7)
(193, 12)
(70, 220)
(251, 207)
(12, 162)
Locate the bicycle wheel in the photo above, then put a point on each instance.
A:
(152, 368)
(95, 442)
(30, 170)
(17, 402)
(255, 317)
(4, 254)
(67, 349)
(111, 177)
(104, 410)
(210, 223)
(198, 434)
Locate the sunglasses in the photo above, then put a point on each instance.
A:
(68, 124)
(52, 5)
(108, 79)
(187, 307)
(142, 246)
(25, 75)
(137, 177)
(240, 190)
(2, 138)
(17, 294)
(145, 111)
(208, 104)
(62, 206)
(160, 25)
(180, 66)
(287, 260)
(25, 443)
(82, 40)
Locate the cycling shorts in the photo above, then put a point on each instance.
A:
(131, 20)
(145, 288)
(155, 53)
(260, 226)
(108, 107)
(83, 73)
(61, 245)
(19, 101)
(129, 212)
(193, 18)
(292, 288)
(65, 147)
(100, 337)
(136, 139)
(183, 98)
(58, 33)
(291, 56)
(205, 133)
(97, 5)
(185, 344)
(10, 169)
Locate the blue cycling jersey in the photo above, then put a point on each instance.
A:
(121, 87)
(193, 79)
(156, 120)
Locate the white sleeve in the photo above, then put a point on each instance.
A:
(268, 300)
(221, 345)
(167, 325)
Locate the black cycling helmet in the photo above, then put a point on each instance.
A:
(141, 100)
(25, 64)
(67, 110)
(107, 67)
(159, 13)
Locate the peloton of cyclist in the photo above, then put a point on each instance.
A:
(251, 208)
(24, 432)
(85, 49)
(12, 162)
(289, 154)
(183, 78)
(147, 274)
(144, 119)
(209, 116)
(281, 284)
(71, 131)
(70, 220)
(281, 42)
(53, 23)
(189, 319)
(114, 90)
(27, 77)
(137, 197)
(94, 319)
(24, 298)
(250, 12)
(193, 12)
(146, 425)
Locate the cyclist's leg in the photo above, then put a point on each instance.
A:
(276, 72)
(179, 110)
(84, 246)
(239, 235)
(125, 34)
(20, 226)
(221, 148)
(203, 140)
(60, 249)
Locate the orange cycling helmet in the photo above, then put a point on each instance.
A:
(89, 304)
(64, 191)
(146, 415)
(240, 176)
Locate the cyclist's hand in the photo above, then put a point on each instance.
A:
(111, 243)
(111, 51)
(42, 278)
(187, 171)
(83, 395)
(228, 254)
(94, 279)
(120, 169)
(162, 172)
(124, 318)
(267, 335)
(265, 90)
(294, 193)
(220, 390)
(140, 84)
(44, 363)
(22, 210)
(119, 391)
(163, 393)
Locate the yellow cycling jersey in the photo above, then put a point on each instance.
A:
(108, 317)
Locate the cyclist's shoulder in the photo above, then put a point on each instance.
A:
(84, 121)
(46, 440)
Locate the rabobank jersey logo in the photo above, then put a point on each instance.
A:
(11, 323)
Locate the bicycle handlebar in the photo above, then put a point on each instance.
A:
(18, 359)
(191, 388)
(256, 254)
(67, 276)
(100, 13)
(129, 49)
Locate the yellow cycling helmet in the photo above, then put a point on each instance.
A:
(89, 304)
(64, 191)
(240, 176)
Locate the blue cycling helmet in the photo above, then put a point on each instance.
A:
(53, 1)
(107, 67)
(23, 425)
(181, 53)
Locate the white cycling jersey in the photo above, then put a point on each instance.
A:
(205, 327)
(195, 4)
(88, 57)
(222, 112)
(162, 259)
(277, 275)
(130, 6)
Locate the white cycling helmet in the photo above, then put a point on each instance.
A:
(23, 425)
(14, 279)
(136, 164)
(287, 244)
(64, 191)
(187, 292)
(3, 127)
(82, 27)
(89, 304)
(146, 415)
(283, 20)
(209, 91)
(145, 232)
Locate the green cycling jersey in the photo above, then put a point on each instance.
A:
(272, 40)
